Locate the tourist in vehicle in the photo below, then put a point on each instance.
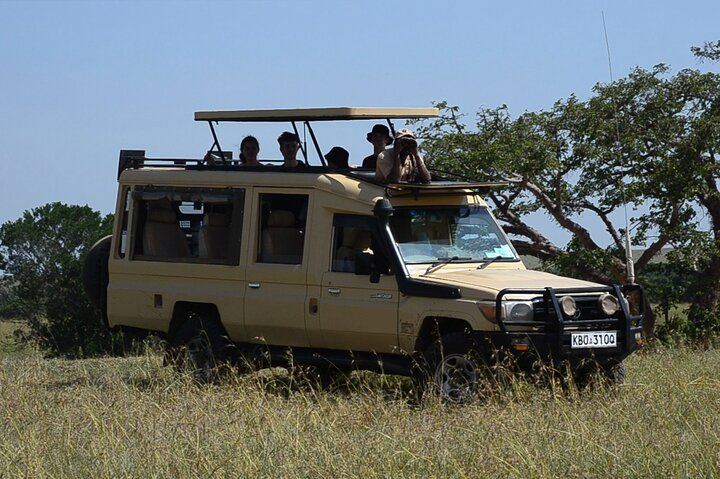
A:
(380, 138)
(402, 162)
(289, 146)
(249, 149)
(337, 158)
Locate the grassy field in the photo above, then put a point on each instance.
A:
(133, 418)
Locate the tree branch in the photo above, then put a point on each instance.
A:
(662, 240)
(606, 221)
(563, 220)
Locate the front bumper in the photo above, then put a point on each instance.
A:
(548, 336)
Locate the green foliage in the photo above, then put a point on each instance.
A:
(709, 51)
(7, 297)
(649, 141)
(703, 329)
(44, 251)
(579, 259)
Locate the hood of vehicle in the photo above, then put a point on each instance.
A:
(494, 280)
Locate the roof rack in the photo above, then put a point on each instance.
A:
(441, 184)
(316, 114)
(306, 115)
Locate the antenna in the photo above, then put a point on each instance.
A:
(629, 265)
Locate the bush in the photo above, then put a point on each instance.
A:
(44, 251)
(704, 330)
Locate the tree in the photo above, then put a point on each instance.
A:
(709, 51)
(44, 251)
(646, 141)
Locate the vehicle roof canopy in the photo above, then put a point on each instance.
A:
(316, 114)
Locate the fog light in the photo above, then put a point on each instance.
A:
(608, 304)
(568, 306)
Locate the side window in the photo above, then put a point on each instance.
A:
(356, 246)
(352, 248)
(282, 228)
(187, 225)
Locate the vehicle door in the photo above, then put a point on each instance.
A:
(276, 290)
(358, 304)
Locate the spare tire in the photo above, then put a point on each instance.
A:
(95, 273)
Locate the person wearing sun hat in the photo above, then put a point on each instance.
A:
(337, 158)
(380, 138)
(402, 162)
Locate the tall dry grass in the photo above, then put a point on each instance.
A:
(134, 418)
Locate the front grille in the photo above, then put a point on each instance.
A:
(588, 310)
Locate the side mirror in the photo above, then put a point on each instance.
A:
(375, 276)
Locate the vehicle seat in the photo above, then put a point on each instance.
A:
(162, 235)
(213, 240)
(355, 240)
(282, 242)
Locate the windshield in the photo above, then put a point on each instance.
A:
(449, 233)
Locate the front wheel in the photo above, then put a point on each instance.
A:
(453, 368)
(608, 373)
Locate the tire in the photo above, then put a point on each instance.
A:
(95, 272)
(202, 349)
(613, 373)
(452, 368)
(608, 373)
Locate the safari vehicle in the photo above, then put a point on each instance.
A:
(333, 270)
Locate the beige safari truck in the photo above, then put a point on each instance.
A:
(331, 269)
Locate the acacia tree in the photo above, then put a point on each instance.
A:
(631, 143)
(44, 250)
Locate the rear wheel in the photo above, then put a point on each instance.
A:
(202, 349)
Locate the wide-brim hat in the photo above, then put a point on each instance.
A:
(382, 129)
(338, 156)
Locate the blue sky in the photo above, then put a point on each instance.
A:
(80, 80)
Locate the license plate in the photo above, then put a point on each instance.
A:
(594, 339)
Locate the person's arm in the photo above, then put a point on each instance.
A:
(394, 175)
(422, 170)
(387, 169)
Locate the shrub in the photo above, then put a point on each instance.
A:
(44, 251)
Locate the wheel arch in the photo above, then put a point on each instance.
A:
(433, 327)
(183, 311)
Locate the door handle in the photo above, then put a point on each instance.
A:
(254, 285)
(334, 290)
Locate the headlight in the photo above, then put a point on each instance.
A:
(511, 310)
(568, 306)
(520, 312)
(608, 304)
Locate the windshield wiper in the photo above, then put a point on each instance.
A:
(443, 261)
(488, 262)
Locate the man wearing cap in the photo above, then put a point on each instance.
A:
(380, 138)
(402, 162)
(289, 145)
